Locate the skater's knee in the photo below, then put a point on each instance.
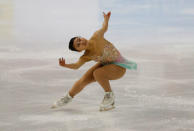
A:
(97, 74)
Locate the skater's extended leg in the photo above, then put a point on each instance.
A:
(86, 79)
(77, 87)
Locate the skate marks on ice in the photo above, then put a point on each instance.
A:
(159, 96)
(68, 117)
(161, 92)
(27, 91)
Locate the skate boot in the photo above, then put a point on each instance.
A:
(62, 101)
(108, 102)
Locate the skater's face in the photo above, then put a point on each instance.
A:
(80, 44)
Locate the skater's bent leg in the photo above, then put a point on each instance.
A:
(108, 72)
(86, 79)
(104, 82)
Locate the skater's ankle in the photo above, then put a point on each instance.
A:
(70, 94)
(108, 90)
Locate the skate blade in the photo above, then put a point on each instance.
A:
(54, 106)
(106, 109)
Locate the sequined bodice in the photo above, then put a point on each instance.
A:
(101, 50)
(109, 54)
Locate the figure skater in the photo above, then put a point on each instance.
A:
(111, 65)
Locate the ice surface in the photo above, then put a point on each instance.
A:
(159, 96)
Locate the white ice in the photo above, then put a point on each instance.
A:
(159, 96)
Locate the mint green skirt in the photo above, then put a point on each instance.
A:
(123, 62)
(128, 65)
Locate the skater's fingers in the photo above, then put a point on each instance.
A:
(60, 60)
(108, 14)
(63, 59)
(104, 14)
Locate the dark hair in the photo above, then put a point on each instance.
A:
(71, 44)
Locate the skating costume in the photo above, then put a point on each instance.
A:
(111, 55)
(103, 51)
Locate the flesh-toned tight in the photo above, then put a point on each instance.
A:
(100, 73)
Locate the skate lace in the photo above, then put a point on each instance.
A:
(106, 97)
(63, 98)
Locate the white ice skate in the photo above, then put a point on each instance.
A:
(108, 102)
(62, 101)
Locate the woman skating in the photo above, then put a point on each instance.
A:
(111, 65)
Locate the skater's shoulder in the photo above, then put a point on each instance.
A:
(86, 53)
(86, 56)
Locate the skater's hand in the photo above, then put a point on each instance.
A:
(107, 16)
(61, 61)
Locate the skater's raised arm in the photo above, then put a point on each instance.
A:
(76, 65)
(104, 25)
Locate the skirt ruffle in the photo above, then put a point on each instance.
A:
(123, 62)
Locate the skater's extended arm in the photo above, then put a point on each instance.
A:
(76, 65)
(104, 25)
